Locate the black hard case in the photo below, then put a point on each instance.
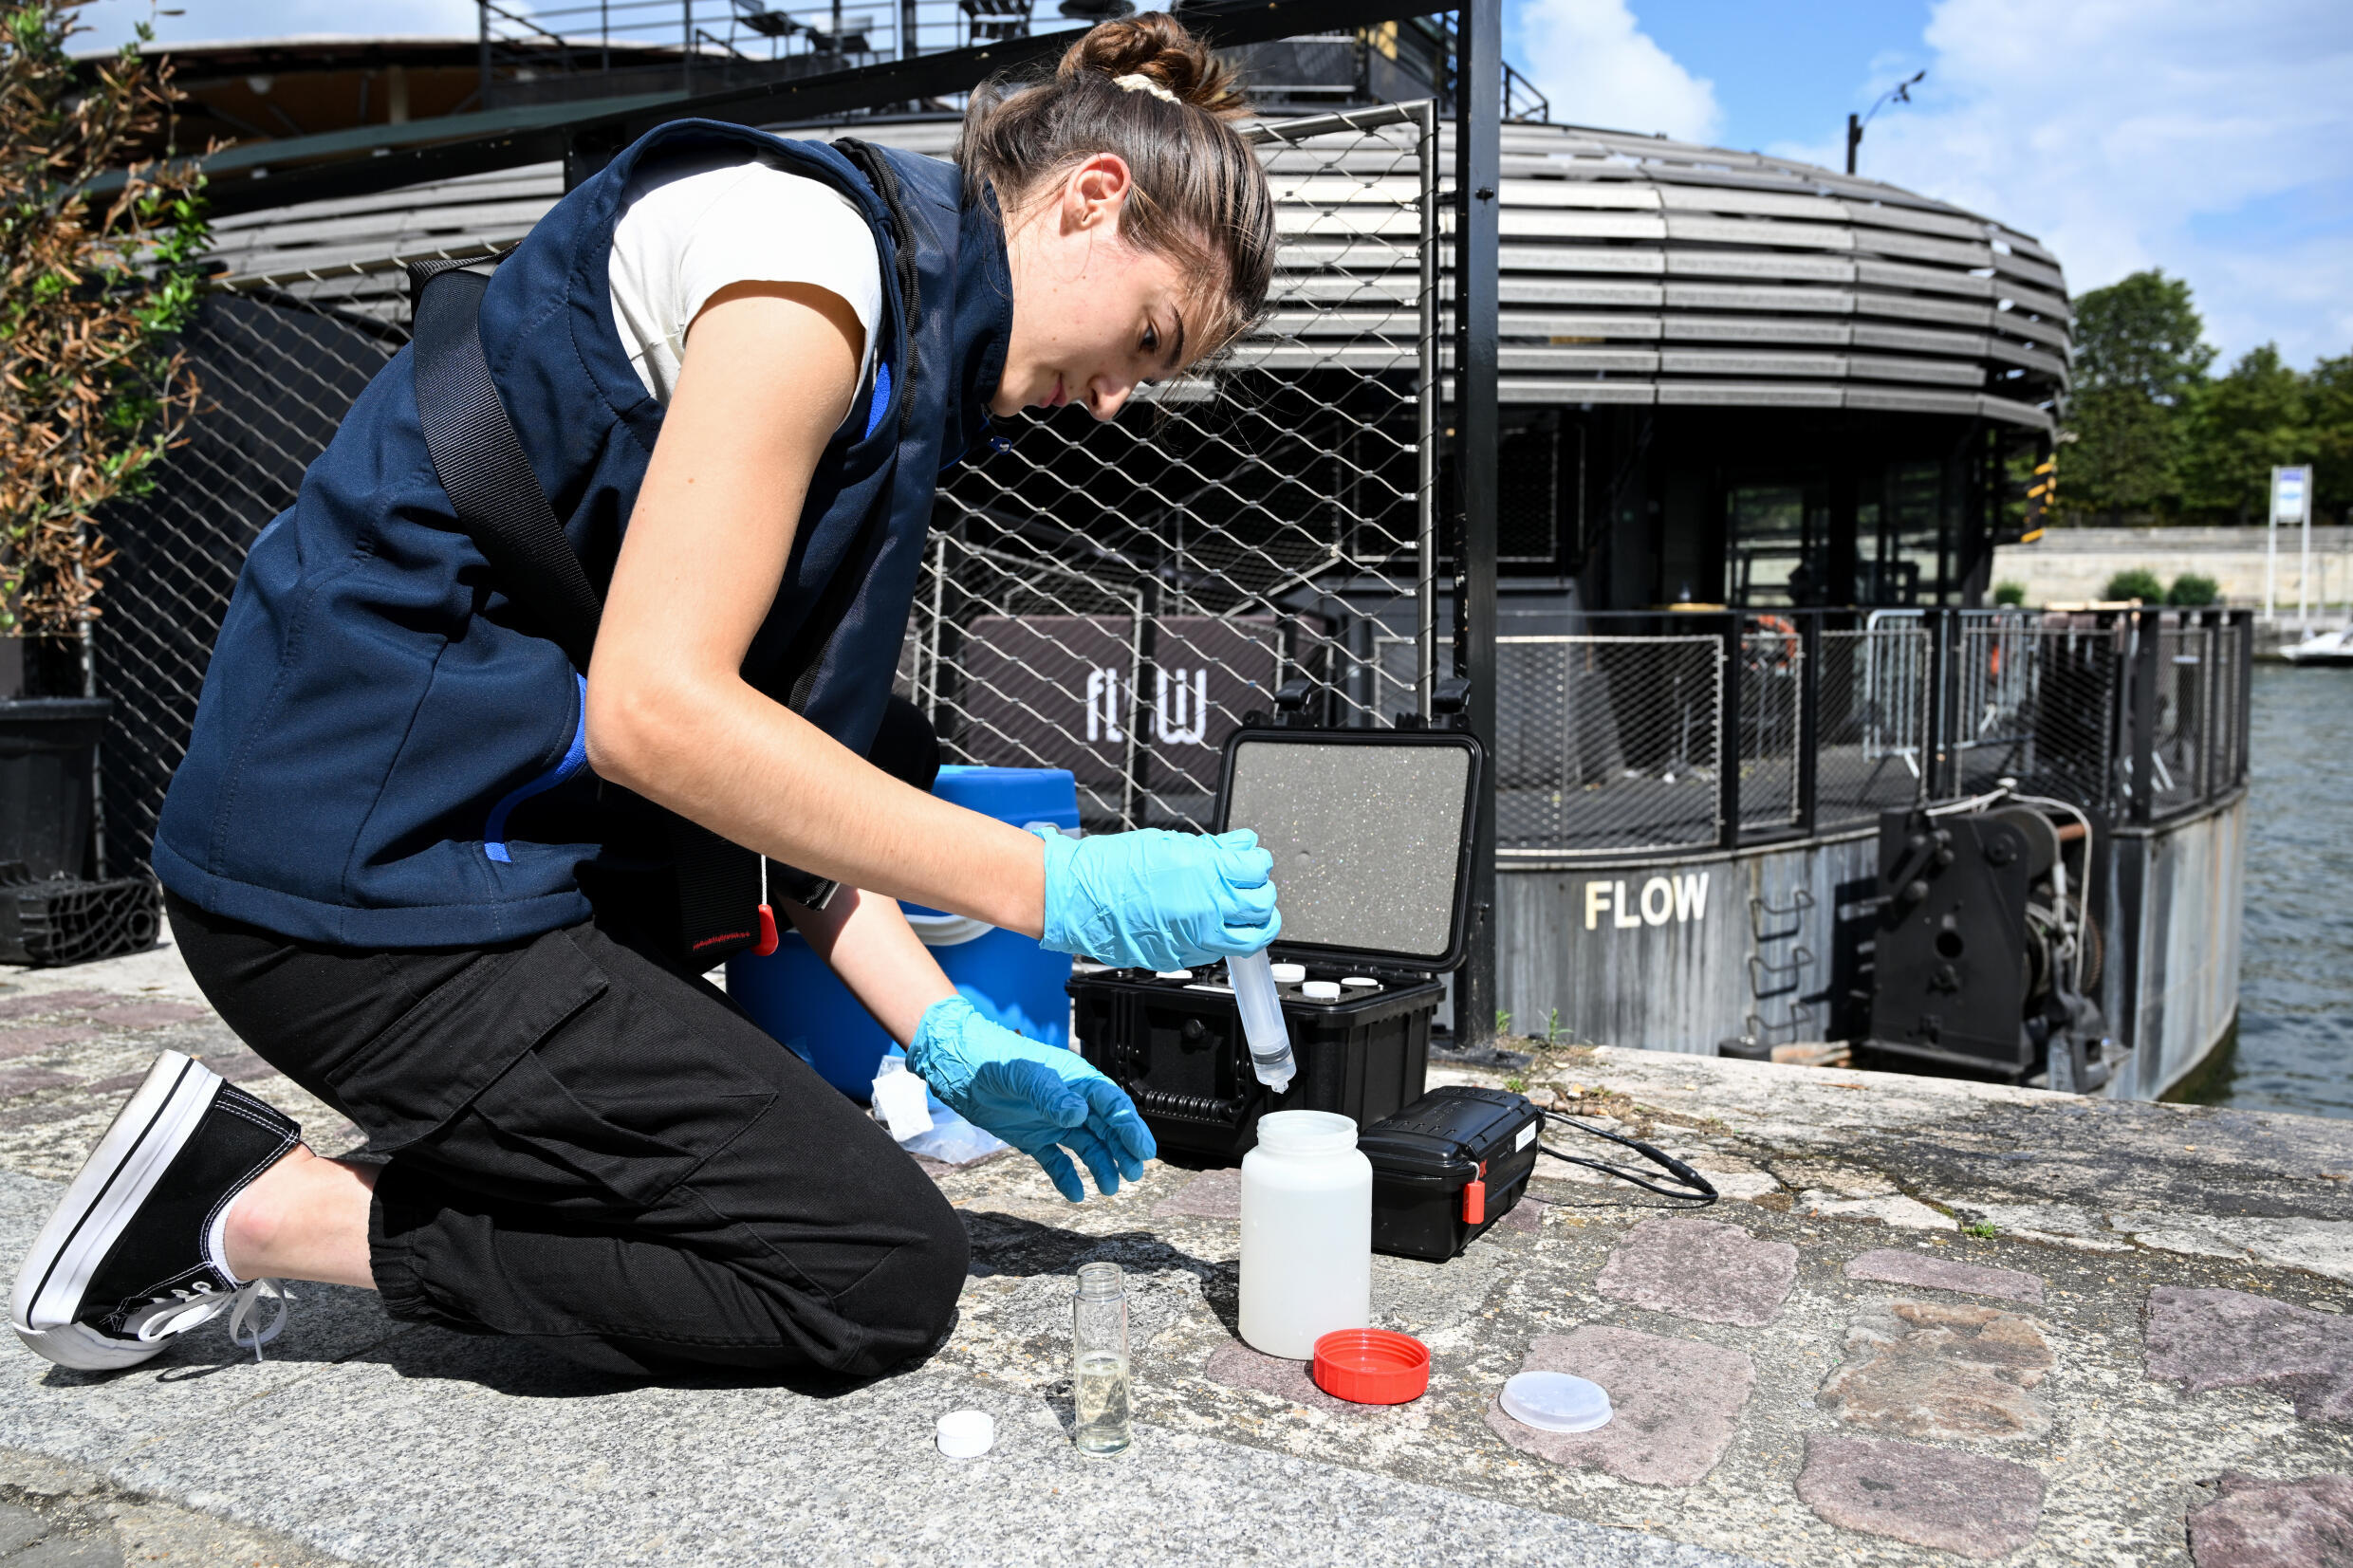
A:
(1427, 1153)
(1176, 1046)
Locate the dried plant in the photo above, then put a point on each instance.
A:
(99, 270)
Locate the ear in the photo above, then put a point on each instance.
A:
(1095, 193)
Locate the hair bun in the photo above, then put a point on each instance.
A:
(1155, 44)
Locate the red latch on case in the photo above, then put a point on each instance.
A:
(1475, 1198)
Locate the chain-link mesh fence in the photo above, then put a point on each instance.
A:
(2039, 702)
(1115, 598)
(1873, 687)
(1771, 672)
(1607, 744)
(2182, 752)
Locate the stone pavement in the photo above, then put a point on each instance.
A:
(1932, 1323)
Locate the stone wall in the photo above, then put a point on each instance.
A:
(2072, 564)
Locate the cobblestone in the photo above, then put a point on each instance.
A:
(1675, 1403)
(1917, 1369)
(2220, 1339)
(2259, 1523)
(1700, 1269)
(1960, 1502)
(1901, 1265)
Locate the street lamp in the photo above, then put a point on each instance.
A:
(1900, 93)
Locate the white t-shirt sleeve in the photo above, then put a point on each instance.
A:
(687, 230)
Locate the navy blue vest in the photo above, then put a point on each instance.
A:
(383, 755)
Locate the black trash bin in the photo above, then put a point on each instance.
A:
(49, 759)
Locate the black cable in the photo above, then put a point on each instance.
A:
(1697, 1190)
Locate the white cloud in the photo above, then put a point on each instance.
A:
(2215, 141)
(1599, 68)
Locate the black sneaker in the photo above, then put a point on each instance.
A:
(134, 1254)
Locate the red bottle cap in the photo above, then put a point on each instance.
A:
(1372, 1366)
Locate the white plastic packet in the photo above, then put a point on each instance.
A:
(921, 1123)
(899, 1100)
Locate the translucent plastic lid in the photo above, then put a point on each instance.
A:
(1555, 1402)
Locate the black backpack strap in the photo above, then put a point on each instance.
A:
(480, 461)
(499, 504)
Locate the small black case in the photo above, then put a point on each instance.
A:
(1426, 1158)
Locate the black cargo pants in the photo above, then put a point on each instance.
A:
(591, 1148)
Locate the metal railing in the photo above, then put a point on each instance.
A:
(1609, 739)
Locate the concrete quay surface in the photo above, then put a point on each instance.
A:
(1931, 1323)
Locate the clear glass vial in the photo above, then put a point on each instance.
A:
(1099, 1359)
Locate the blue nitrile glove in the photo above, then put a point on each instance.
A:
(1034, 1097)
(1153, 899)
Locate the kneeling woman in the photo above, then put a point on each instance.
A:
(438, 875)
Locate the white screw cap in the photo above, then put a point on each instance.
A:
(967, 1434)
(1288, 974)
(1321, 991)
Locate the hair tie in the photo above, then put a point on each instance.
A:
(1136, 81)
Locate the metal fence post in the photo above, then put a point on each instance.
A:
(1809, 718)
(1426, 407)
(2243, 726)
(1951, 648)
(2141, 713)
(1728, 736)
(1478, 182)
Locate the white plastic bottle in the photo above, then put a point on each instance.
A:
(1306, 1233)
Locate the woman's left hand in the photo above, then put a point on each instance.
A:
(1039, 1099)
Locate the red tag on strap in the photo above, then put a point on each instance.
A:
(767, 944)
(1475, 1198)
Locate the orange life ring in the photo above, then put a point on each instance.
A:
(1786, 629)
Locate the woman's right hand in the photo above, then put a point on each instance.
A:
(1153, 899)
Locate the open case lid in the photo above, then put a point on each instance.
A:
(1371, 835)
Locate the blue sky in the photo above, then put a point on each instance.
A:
(2214, 140)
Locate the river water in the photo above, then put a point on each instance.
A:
(2295, 1019)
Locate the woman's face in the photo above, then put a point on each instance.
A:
(1093, 316)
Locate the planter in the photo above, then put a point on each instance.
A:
(48, 761)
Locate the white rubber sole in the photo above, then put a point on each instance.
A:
(121, 1171)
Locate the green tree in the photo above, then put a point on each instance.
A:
(2141, 358)
(2144, 333)
(2240, 427)
(2329, 403)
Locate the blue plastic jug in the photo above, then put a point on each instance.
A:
(794, 995)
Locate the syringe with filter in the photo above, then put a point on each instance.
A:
(1262, 1019)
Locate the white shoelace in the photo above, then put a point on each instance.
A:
(192, 1305)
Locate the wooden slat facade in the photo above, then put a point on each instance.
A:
(1635, 269)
